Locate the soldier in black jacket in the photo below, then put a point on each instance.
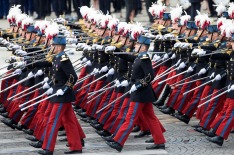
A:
(64, 77)
(142, 96)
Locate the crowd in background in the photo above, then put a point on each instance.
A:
(44, 8)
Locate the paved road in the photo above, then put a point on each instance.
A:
(181, 138)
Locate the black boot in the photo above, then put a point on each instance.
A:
(86, 119)
(183, 118)
(217, 140)
(36, 144)
(156, 146)
(64, 139)
(9, 123)
(29, 131)
(82, 142)
(97, 126)
(94, 121)
(209, 133)
(2, 110)
(5, 114)
(199, 129)
(103, 133)
(108, 138)
(82, 114)
(62, 134)
(32, 138)
(142, 134)
(166, 91)
(163, 107)
(151, 140)
(169, 110)
(115, 145)
(19, 127)
(45, 152)
(136, 129)
(73, 152)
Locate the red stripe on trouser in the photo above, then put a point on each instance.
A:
(62, 116)
(5, 83)
(105, 98)
(28, 117)
(114, 112)
(135, 109)
(105, 111)
(213, 108)
(155, 84)
(80, 94)
(85, 99)
(172, 99)
(120, 117)
(95, 103)
(42, 126)
(191, 107)
(201, 110)
(183, 100)
(228, 122)
(11, 93)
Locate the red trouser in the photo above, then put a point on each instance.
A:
(134, 111)
(12, 92)
(182, 99)
(173, 80)
(175, 93)
(28, 117)
(213, 108)
(228, 122)
(38, 118)
(62, 114)
(121, 117)
(107, 112)
(82, 74)
(41, 128)
(91, 88)
(158, 88)
(93, 105)
(206, 92)
(191, 107)
(16, 113)
(81, 94)
(114, 112)
(5, 83)
(104, 102)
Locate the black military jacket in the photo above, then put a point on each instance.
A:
(142, 75)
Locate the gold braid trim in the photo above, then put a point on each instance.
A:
(70, 81)
(146, 80)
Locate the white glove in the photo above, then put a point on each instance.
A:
(99, 47)
(133, 88)
(87, 48)
(202, 71)
(46, 79)
(173, 56)
(117, 83)
(212, 75)
(88, 63)
(19, 64)
(182, 65)
(190, 69)
(104, 69)
(30, 74)
(201, 52)
(178, 62)
(13, 57)
(49, 91)
(22, 53)
(165, 56)
(16, 47)
(111, 71)
(84, 59)
(46, 86)
(17, 71)
(156, 58)
(231, 88)
(109, 48)
(217, 77)
(94, 46)
(39, 73)
(59, 92)
(124, 83)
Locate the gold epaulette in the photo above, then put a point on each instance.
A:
(64, 58)
(119, 45)
(144, 56)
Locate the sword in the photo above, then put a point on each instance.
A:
(32, 100)
(113, 102)
(192, 81)
(213, 93)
